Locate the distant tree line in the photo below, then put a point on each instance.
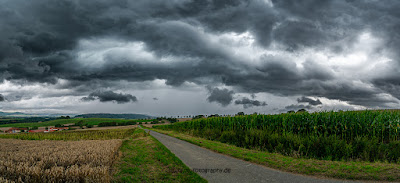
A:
(115, 116)
(64, 117)
(172, 120)
(103, 124)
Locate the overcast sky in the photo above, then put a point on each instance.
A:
(186, 57)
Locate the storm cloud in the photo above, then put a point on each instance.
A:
(342, 50)
(246, 102)
(108, 96)
(221, 96)
(2, 99)
(309, 100)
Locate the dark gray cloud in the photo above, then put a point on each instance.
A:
(246, 102)
(110, 96)
(155, 98)
(309, 100)
(221, 96)
(2, 99)
(40, 41)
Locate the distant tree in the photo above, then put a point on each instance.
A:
(79, 123)
(64, 117)
(290, 112)
(155, 121)
(240, 113)
(213, 115)
(33, 128)
(172, 120)
(302, 110)
(198, 117)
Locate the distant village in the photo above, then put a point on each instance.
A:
(51, 129)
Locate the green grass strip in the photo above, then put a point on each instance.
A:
(145, 159)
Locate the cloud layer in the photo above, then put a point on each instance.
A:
(337, 50)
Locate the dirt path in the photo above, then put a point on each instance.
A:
(216, 167)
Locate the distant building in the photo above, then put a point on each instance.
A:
(15, 130)
(36, 131)
(52, 129)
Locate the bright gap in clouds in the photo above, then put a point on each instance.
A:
(102, 52)
(362, 53)
(95, 53)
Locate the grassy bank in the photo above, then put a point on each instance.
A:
(357, 170)
(144, 159)
(89, 121)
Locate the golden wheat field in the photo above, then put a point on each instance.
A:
(57, 161)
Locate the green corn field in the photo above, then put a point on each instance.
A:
(346, 135)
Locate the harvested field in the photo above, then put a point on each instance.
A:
(57, 161)
(74, 135)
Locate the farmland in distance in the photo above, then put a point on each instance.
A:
(89, 121)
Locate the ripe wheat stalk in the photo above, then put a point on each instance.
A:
(57, 161)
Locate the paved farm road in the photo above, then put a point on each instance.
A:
(218, 165)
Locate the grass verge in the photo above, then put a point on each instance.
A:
(354, 170)
(144, 159)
